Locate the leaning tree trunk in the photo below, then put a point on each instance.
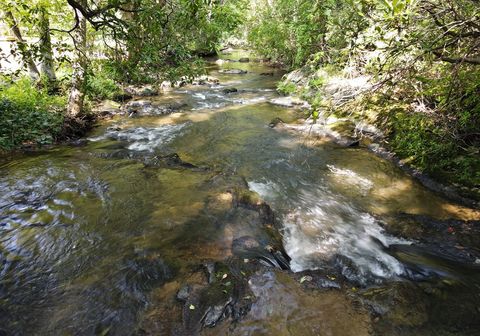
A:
(23, 47)
(47, 65)
(77, 91)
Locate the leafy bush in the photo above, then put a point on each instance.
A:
(430, 146)
(286, 88)
(28, 115)
(289, 31)
(101, 82)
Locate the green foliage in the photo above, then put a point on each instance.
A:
(289, 31)
(286, 88)
(213, 22)
(295, 31)
(163, 39)
(430, 147)
(28, 115)
(317, 82)
(100, 82)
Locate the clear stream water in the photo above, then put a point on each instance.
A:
(87, 233)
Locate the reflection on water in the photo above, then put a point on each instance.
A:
(87, 233)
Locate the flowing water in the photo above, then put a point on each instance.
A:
(88, 233)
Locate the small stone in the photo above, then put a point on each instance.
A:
(184, 293)
(213, 315)
(79, 142)
(275, 122)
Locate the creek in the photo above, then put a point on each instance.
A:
(99, 238)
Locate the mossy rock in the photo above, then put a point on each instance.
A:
(248, 197)
(344, 127)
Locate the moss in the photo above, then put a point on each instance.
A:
(343, 127)
(248, 197)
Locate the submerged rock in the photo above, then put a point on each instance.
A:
(215, 313)
(399, 305)
(78, 142)
(233, 71)
(171, 161)
(456, 240)
(280, 306)
(338, 132)
(244, 60)
(122, 97)
(210, 271)
(270, 250)
(245, 243)
(229, 90)
(184, 293)
(147, 107)
(276, 122)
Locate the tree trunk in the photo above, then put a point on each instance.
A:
(77, 91)
(47, 65)
(23, 47)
